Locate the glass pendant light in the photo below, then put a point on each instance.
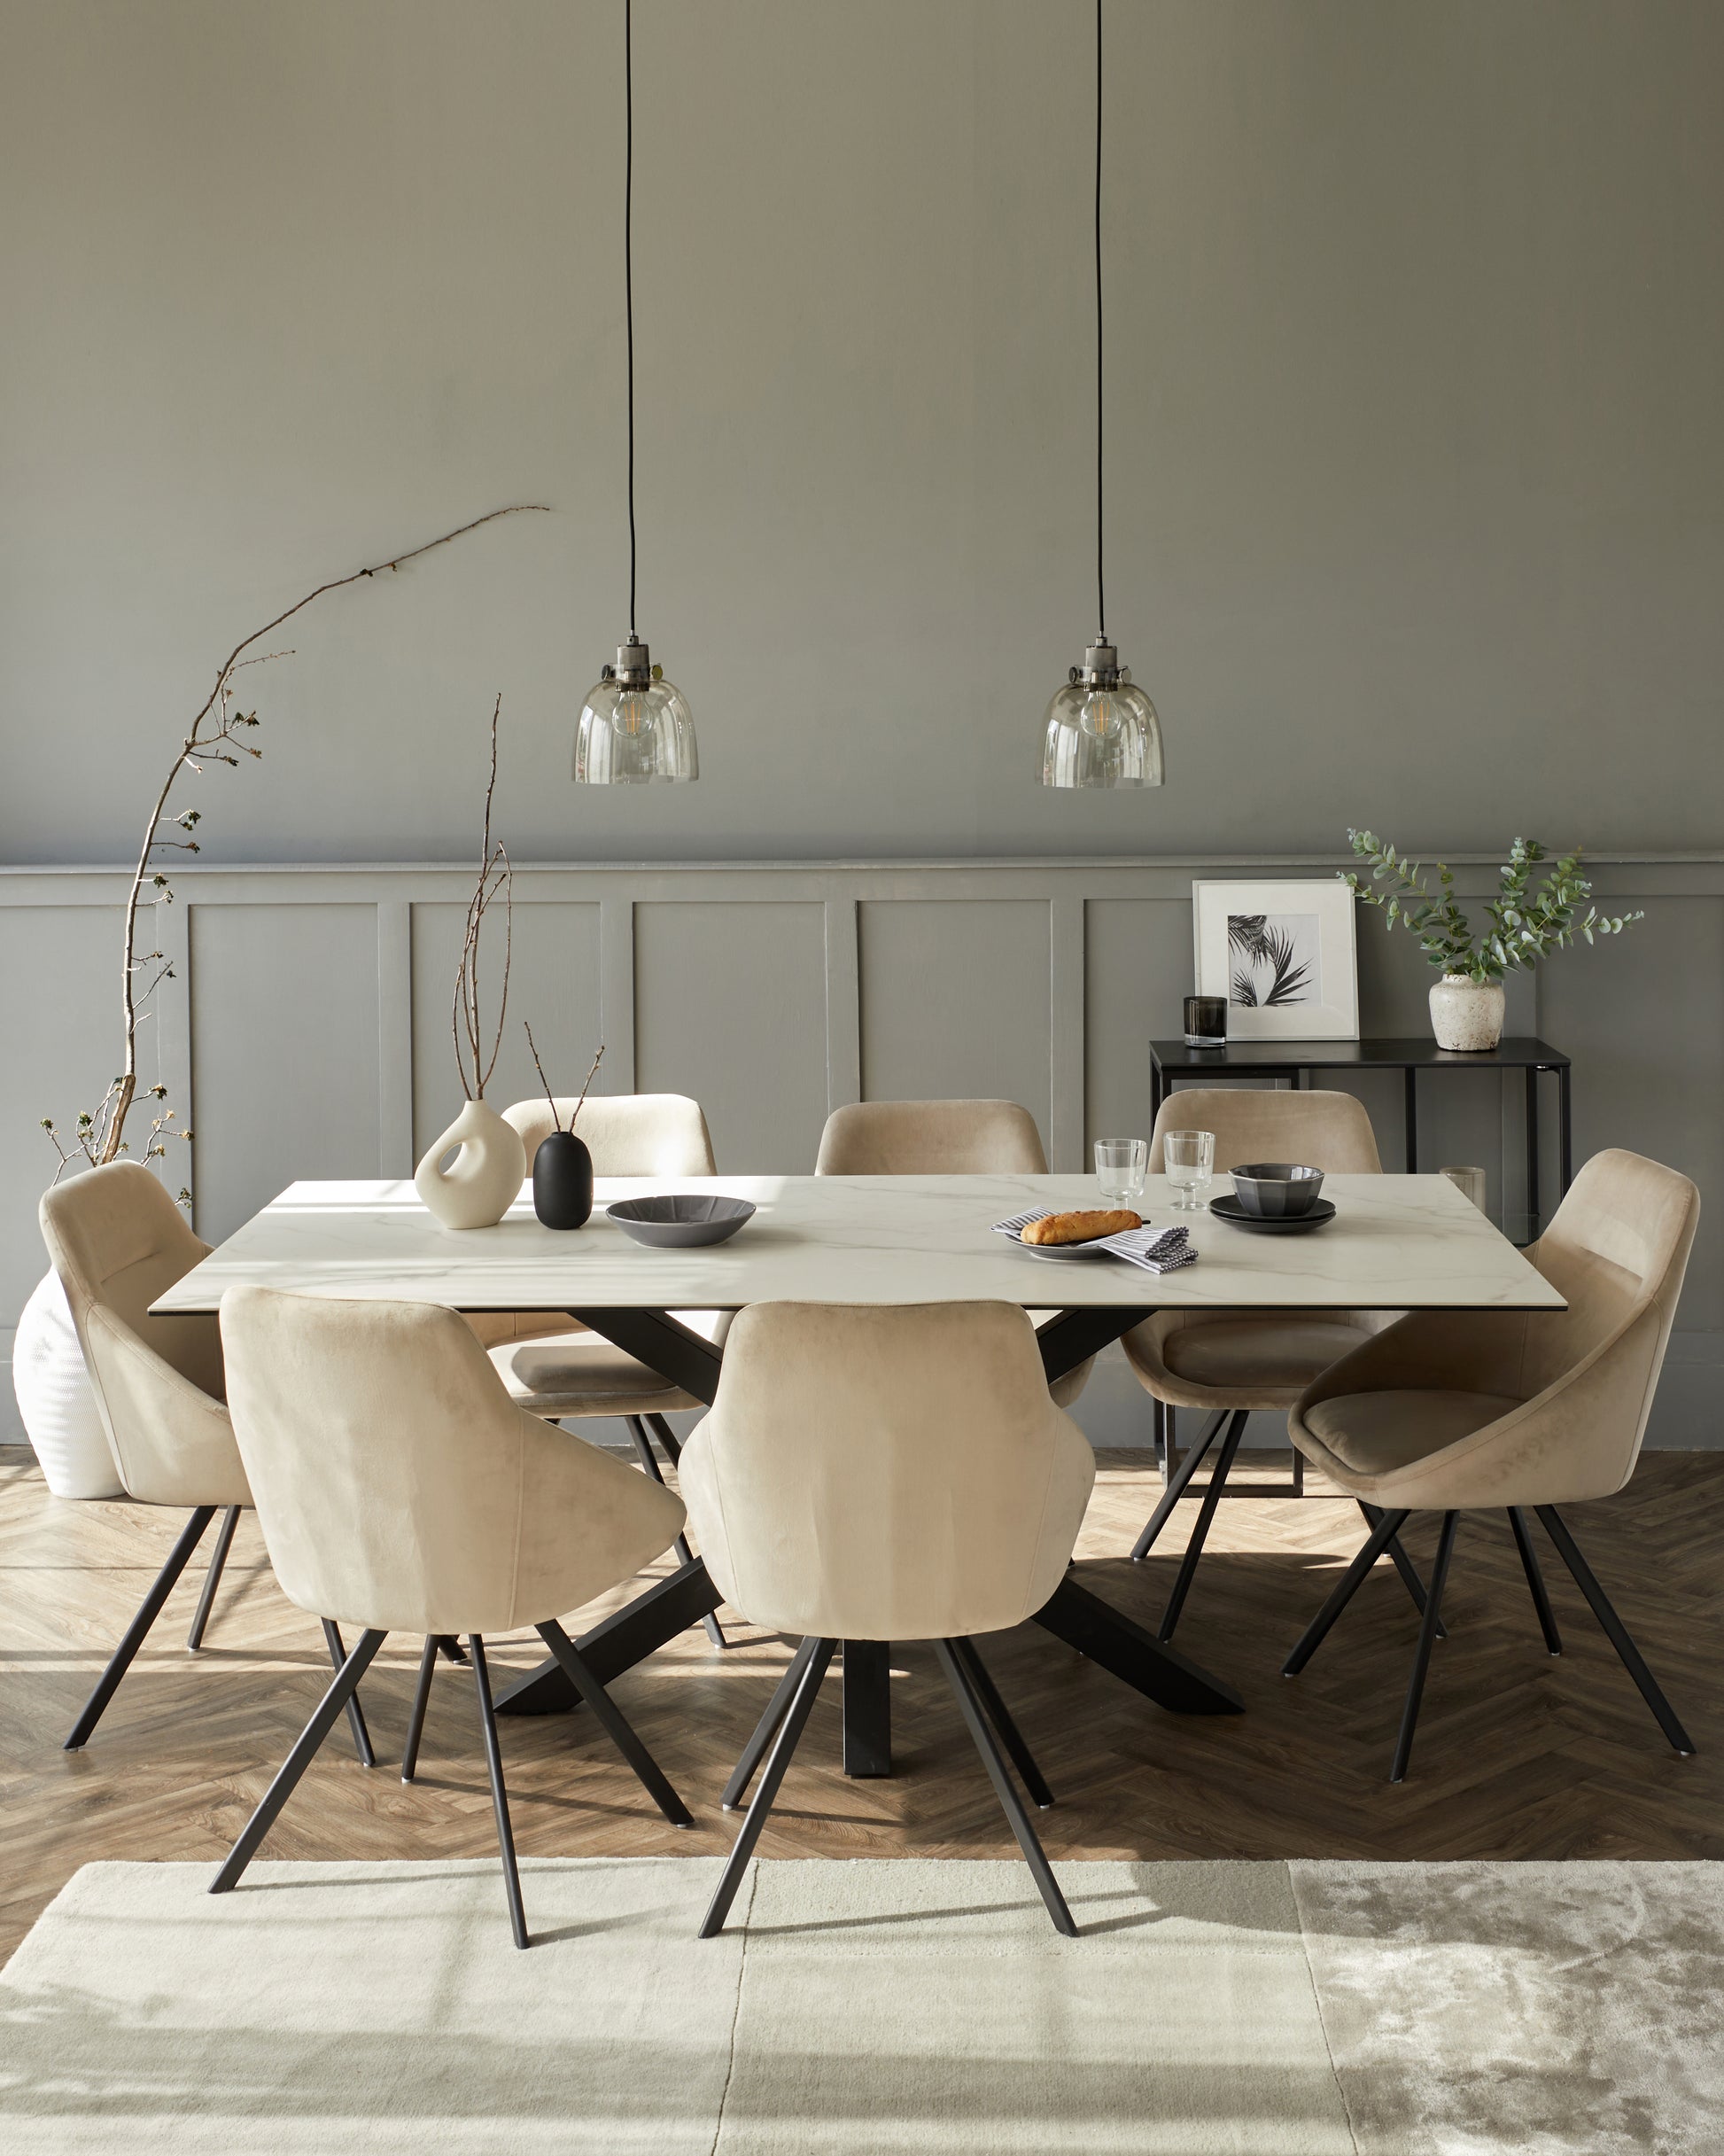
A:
(1101, 729)
(634, 728)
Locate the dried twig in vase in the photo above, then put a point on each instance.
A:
(472, 1065)
(214, 736)
(550, 1099)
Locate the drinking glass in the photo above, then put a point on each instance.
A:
(1189, 1157)
(1122, 1163)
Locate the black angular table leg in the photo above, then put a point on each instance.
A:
(669, 1605)
(1137, 1657)
(867, 1707)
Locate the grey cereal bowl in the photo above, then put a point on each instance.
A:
(680, 1223)
(1277, 1189)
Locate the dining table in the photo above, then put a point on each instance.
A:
(1396, 1242)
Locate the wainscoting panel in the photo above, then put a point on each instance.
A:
(298, 1077)
(307, 1033)
(956, 1002)
(730, 1006)
(59, 976)
(1137, 973)
(552, 986)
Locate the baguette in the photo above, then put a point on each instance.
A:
(1079, 1227)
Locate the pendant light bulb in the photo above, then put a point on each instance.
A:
(1101, 729)
(635, 728)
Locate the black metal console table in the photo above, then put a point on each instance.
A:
(1171, 1062)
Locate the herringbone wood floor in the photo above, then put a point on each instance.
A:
(1518, 1755)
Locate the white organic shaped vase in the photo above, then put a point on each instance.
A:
(56, 1401)
(484, 1178)
(1465, 1015)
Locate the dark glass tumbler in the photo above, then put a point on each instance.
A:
(1206, 1022)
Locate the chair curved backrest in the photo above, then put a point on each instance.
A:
(400, 1488)
(1585, 1377)
(886, 1473)
(117, 1241)
(1618, 1247)
(1330, 1131)
(931, 1137)
(627, 1133)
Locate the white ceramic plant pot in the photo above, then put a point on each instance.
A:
(55, 1400)
(1466, 1016)
(484, 1178)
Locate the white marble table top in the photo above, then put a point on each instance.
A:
(1397, 1242)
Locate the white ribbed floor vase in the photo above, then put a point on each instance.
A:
(878, 2007)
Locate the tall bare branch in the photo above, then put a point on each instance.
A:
(214, 735)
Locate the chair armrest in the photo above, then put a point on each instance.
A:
(1441, 1351)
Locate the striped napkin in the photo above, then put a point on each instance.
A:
(1156, 1249)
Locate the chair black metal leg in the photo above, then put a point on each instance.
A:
(1176, 1488)
(415, 1721)
(958, 1677)
(355, 1712)
(1529, 1563)
(1387, 1528)
(1427, 1634)
(298, 1759)
(637, 1428)
(666, 1437)
(1218, 1483)
(493, 1760)
(148, 1610)
(784, 1746)
(1029, 1773)
(1404, 1564)
(755, 1750)
(1616, 1631)
(615, 1723)
(224, 1536)
(449, 1646)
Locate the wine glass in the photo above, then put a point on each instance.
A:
(1122, 1163)
(1189, 1157)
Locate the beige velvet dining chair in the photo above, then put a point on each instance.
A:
(1467, 1410)
(942, 1138)
(887, 1473)
(117, 1241)
(1236, 1362)
(563, 1371)
(399, 1489)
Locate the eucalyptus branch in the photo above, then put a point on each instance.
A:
(1525, 925)
(217, 735)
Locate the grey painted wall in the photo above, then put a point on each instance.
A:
(1415, 329)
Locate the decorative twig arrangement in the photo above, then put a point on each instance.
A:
(473, 1065)
(556, 1120)
(217, 735)
(1525, 925)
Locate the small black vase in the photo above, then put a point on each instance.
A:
(562, 1181)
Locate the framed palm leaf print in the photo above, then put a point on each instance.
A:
(1283, 955)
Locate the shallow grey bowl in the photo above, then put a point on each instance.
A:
(679, 1223)
(1277, 1189)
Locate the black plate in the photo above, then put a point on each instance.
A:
(1229, 1210)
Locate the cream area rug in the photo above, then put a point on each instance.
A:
(899, 2008)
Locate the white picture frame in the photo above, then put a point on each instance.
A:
(1282, 953)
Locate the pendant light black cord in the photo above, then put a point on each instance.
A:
(628, 274)
(1101, 596)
